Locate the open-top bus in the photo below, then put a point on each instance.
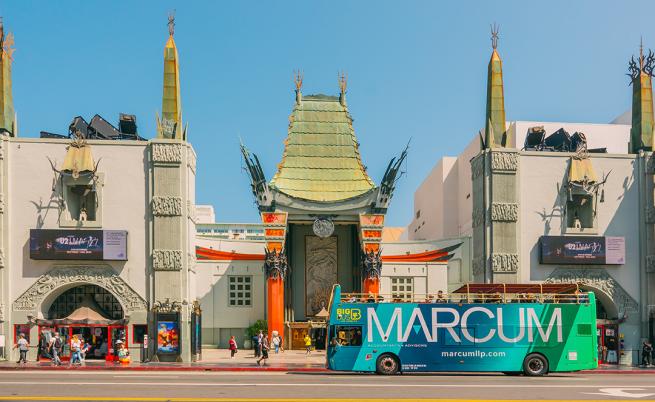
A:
(532, 329)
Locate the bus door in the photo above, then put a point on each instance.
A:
(346, 342)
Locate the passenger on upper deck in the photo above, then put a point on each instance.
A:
(441, 298)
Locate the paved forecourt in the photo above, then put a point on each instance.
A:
(154, 386)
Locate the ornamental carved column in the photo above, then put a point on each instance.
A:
(371, 271)
(495, 177)
(171, 172)
(275, 268)
(371, 237)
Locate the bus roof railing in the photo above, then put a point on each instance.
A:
(467, 298)
(518, 288)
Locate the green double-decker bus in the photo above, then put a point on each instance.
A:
(531, 329)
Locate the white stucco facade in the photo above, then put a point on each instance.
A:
(447, 188)
(131, 195)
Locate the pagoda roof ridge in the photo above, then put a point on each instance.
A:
(321, 160)
(320, 96)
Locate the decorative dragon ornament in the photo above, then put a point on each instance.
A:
(275, 264)
(645, 64)
(372, 264)
(167, 306)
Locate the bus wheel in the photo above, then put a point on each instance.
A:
(535, 365)
(387, 364)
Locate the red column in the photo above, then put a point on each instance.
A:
(371, 285)
(275, 306)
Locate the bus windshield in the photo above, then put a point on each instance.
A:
(507, 331)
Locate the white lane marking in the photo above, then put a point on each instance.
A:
(298, 384)
(620, 392)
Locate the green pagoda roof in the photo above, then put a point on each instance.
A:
(321, 160)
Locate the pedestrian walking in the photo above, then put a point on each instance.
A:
(23, 346)
(260, 338)
(54, 348)
(646, 354)
(265, 346)
(75, 351)
(308, 344)
(232, 346)
(255, 348)
(276, 343)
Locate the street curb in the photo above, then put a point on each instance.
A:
(645, 371)
(167, 368)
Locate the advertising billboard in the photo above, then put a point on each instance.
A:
(168, 335)
(590, 250)
(56, 244)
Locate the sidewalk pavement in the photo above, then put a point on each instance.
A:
(212, 360)
(219, 360)
(618, 369)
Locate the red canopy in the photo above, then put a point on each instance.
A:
(518, 288)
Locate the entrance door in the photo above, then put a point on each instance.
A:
(117, 335)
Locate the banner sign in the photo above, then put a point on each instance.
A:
(55, 244)
(589, 250)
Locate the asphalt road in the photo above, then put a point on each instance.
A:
(150, 386)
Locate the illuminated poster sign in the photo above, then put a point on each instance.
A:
(591, 250)
(55, 244)
(168, 334)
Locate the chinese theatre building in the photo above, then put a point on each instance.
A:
(97, 231)
(323, 218)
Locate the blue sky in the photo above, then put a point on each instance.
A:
(416, 69)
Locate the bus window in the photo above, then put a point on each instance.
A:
(350, 335)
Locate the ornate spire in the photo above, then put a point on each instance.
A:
(170, 124)
(494, 35)
(641, 133)
(343, 84)
(297, 80)
(495, 130)
(171, 23)
(7, 115)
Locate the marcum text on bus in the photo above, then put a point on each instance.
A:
(450, 318)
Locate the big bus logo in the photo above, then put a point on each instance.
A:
(450, 319)
(349, 314)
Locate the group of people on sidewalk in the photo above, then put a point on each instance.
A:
(262, 345)
(54, 349)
